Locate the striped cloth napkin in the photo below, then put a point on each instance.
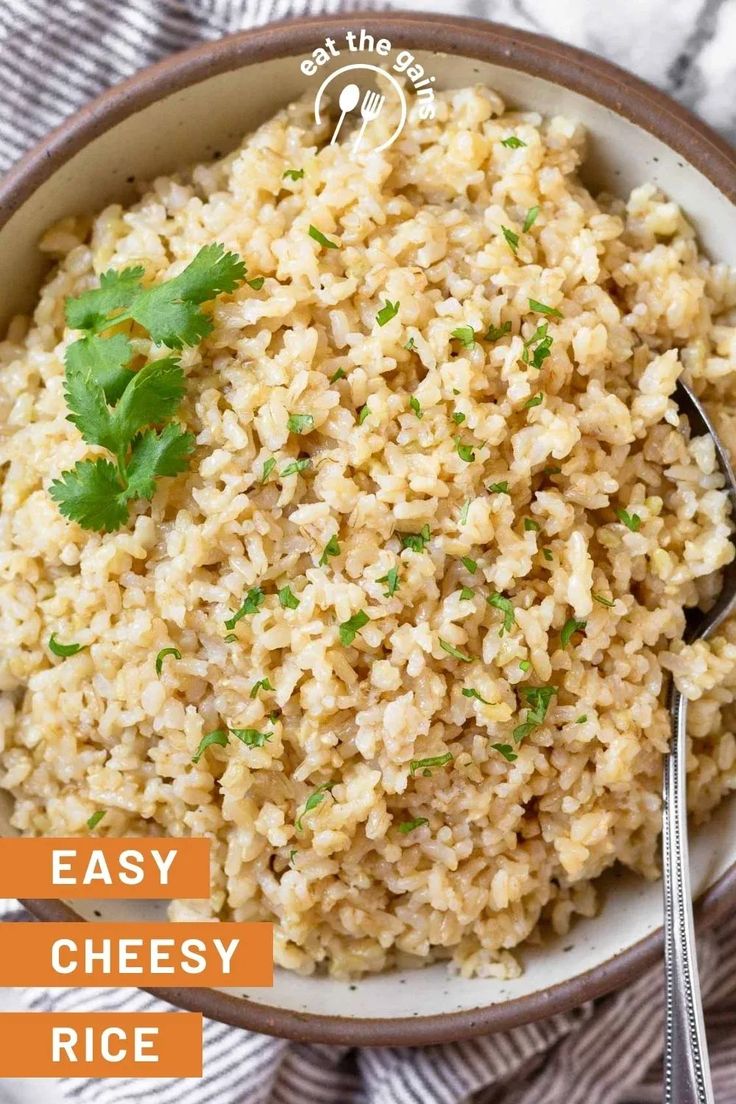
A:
(53, 57)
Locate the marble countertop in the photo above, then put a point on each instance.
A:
(685, 47)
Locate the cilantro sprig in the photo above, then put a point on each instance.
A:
(127, 412)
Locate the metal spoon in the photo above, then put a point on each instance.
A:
(348, 99)
(686, 1068)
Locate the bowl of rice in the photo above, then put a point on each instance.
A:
(435, 538)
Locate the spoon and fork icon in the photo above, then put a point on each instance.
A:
(370, 109)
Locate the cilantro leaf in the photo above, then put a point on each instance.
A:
(456, 653)
(151, 397)
(332, 548)
(268, 466)
(531, 218)
(465, 335)
(499, 488)
(95, 819)
(319, 237)
(495, 333)
(506, 606)
(512, 239)
(90, 311)
(251, 737)
(416, 407)
(262, 684)
(157, 454)
(469, 564)
(162, 656)
(170, 310)
(88, 409)
(417, 542)
(349, 629)
(602, 600)
(391, 579)
(253, 601)
(471, 692)
(512, 142)
(296, 466)
(300, 423)
(294, 174)
(103, 359)
(316, 798)
(287, 599)
(506, 751)
(465, 452)
(388, 311)
(542, 308)
(631, 521)
(424, 765)
(219, 737)
(64, 650)
(91, 494)
(407, 826)
(571, 626)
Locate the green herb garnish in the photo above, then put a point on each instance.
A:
(124, 411)
(582, 719)
(631, 521)
(415, 406)
(499, 488)
(458, 417)
(262, 684)
(316, 798)
(410, 345)
(465, 452)
(505, 605)
(332, 548)
(363, 414)
(467, 593)
(512, 142)
(531, 218)
(219, 737)
(268, 467)
(531, 526)
(454, 652)
(537, 699)
(294, 174)
(464, 511)
(162, 656)
(408, 826)
(507, 751)
(388, 311)
(391, 579)
(425, 765)
(465, 335)
(538, 347)
(251, 737)
(417, 542)
(547, 553)
(300, 423)
(338, 375)
(535, 400)
(95, 819)
(512, 239)
(495, 333)
(349, 629)
(254, 599)
(525, 665)
(256, 282)
(296, 466)
(319, 237)
(468, 564)
(64, 650)
(602, 600)
(287, 598)
(571, 626)
(542, 308)
(470, 692)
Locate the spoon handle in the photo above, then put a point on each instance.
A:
(686, 1067)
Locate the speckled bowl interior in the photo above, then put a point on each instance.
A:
(205, 101)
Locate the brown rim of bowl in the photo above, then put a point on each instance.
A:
(598, 80)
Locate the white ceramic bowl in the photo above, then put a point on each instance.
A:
(204, 100)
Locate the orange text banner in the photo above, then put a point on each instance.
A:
(141, 954)
(83, 867)
(100, 1044)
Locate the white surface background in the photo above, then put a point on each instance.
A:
(684, 46)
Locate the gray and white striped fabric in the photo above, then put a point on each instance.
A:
(53, 57)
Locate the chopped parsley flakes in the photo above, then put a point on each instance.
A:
(319, 237)
(417, 542)
(506, 751)
(95, 819)
(296, 466)
(571, 626)
(531, 218)
(499, 488)
(512, 142)
(391, 579)
(388, 311)
(471, 692)
(631, 521)
(363, 414)
(408, 826)
(542, 308)
(506, 607)
(454, 652)
(495, 333)
(262, 684)
(416, 407)
(332, 548)
(254, 599)
(465, 335)
(294, 174)
(162, 656)
(287, 598)
(512, 239)
(64, 650)
(349, 629)
(468, 564)
(300, 423)
(268, 467)
(425, 765)
(316, 798)
(537, 699)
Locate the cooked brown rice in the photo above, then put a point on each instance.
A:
(506, 844)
